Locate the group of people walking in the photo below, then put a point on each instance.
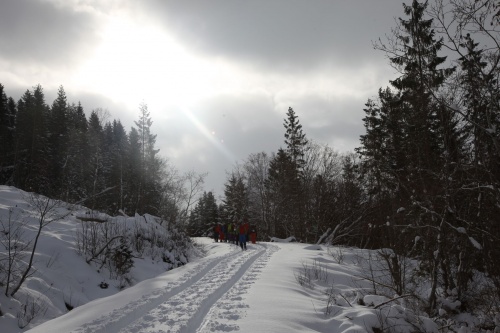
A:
(235, 233)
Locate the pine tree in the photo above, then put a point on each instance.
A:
(203, 216)
(74, 188)
(58, 126)
(295, 139)
(133, 171)
(32, 158)
(95, 173)
(296, 143)
(149, 185)
(7, 134)
(118, 165)
(280, 185)
(235, 199)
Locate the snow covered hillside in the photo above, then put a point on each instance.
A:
(271, 287)
(76, 256)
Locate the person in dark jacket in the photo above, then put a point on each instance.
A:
(216, 231)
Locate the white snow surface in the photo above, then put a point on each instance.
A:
(226, 290)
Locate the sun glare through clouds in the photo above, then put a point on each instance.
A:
(135, 62)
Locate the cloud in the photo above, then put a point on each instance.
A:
(217, 76)
(279, 35)
(45, 34)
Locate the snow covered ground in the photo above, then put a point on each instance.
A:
(271, 287)
(231, 290)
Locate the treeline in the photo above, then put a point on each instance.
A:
(425, 181)
(55, 150)
(304, 190)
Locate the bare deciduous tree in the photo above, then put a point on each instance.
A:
(46, 211)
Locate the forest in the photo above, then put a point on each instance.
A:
(424, 181)
(57, 151)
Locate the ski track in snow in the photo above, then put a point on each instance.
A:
(224, 313)
(207, 299)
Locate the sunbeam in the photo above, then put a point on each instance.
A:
(210, 135)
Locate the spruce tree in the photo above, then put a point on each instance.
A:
(280, 185)
(149, 181)
(134, 167)
(58, 126)
(7, 134)
(235, 199)
(296, 143)
(95, 173)
(118, 170)
(203, 216)
(74, 188)
(295, 139)
(32, 155)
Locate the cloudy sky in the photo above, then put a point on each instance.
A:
(218, 76)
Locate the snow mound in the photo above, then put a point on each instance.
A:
(281, 240)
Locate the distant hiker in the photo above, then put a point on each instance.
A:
(231, 233)
(216, 231)
(243, 237)
(253, 234)
(221, 233)
(224, 232)
(247, 227)
(236, 234)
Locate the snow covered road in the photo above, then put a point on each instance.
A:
(257, 290)
(205, 298)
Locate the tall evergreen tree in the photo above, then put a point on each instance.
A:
(281, 185)
(32, 158)
(150, 182)
(296, 143)
(74, 188)
(7, 134)
(58, 126)
(204, 215)
(95, 173)
(118, 165)
(295, 138)
(235, 199)
(134, 168)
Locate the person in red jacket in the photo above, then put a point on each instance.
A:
(243, 236)
(216, 230)
(253, 234)
(247, 227)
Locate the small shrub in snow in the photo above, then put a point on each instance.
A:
(319, 272)
(30, 309)
(337, 254)
(309, 273)
(303, 276)
(331, 305)
(122, 258)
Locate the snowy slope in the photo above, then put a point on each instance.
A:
(61, 276)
